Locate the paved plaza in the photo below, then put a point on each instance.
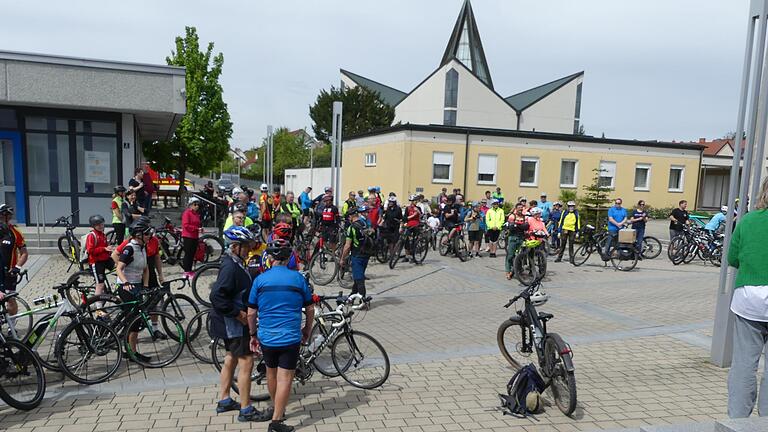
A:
(641, 343)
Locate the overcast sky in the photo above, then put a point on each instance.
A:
(656, 69)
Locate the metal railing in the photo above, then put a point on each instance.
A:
(40, 203)
(212, 204)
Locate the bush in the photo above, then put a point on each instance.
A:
(660, 212)
(567, 195)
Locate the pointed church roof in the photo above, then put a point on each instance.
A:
(465, 45)
(390, 95)
(525, 99)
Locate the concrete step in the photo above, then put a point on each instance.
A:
(48, 250)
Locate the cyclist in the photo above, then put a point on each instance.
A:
(117, 215)
(191, 226)
(244, 202)
(536, 227)
(412, 221)
(99, 252)
(289, 207)
(132, 274)
(713, 226)
(329, 221)
(390, 223)
(545, 206)
(617, 218)
(229, 321)
(494, 220)
(553, 222)
(350, 203)
(498, 196)
(265, 208)
(568, 225)
(306, 204)
(518, 226)
(638, 221)
(275, 303)
(677, 219)
(130, 208)
(451, 216)
(474, 231)
(13, 252)
(356, 246)
(374, 207)
(238, 217)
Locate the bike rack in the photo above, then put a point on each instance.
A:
(40, 203)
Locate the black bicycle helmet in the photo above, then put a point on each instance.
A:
(95, 220)
(140, 226)
(241, 207)
(5, 209)
(279, 249)
(119, 189)
(255, 228)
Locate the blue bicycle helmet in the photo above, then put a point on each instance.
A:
(238, 234)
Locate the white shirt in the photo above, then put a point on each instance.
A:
(433, 223)
(751, 302)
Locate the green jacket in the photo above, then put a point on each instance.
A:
(747, 250)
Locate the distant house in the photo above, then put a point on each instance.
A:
(716, 164)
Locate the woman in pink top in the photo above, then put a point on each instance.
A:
(190, 232)
(535, 224)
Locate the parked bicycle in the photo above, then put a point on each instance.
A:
(171, 250)
(69, 244)
(695, 242)
(623, 256)
(415, 241)
(22, 379)
(457, 245)
(526, 333)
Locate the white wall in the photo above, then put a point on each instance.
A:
(425, 104)
(554, 113)
(297, 180)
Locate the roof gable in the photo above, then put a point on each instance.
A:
(465, 45)
(391, 96)
(525, 99)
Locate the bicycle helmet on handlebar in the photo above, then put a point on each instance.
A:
(539, 298)
(279, 249)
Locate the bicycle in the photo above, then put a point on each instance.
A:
(415, 240)
(69, 245)
(324, 261)
(22, 379)
(623, 256)
(22, 321)
(651, 247)
(457, 245)
(525, 333)
(172, 252)
(531, 260)
(348, 355)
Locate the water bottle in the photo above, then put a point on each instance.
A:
(316, 342)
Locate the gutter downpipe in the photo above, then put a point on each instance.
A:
(700, 179)
(518, 118)
(466, 162)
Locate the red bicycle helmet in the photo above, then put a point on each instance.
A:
(283, 230)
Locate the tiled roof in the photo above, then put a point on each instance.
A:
(523, 100)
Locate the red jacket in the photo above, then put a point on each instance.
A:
(190, 224)
(96, 246)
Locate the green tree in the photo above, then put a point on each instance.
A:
(364, 110)
(595, 197)
(290, 151)
(201, 140)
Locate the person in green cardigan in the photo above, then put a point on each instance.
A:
(749, 303)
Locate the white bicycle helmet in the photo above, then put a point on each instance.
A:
(571, 203)
(539, 298)
(264, 187)
(236, 191)
(535, 211)
(412, 197)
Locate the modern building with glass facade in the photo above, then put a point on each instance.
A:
(71, 129)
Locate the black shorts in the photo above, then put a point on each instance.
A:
(389, 234)
(493, 235)
(305, 212)
(283, 357)
(266, 224)
(475, 236)
(239, 346)
(9, 284)
(99, 269)
(329, 233)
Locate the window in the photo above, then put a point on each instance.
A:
(607, 174)
(442, 167)
(48, 162)
(676, 178)
(642, 177)
(568, 173)
(529, 171)
(449, 117)
(486, 169)
(370, 159)
(577, 114)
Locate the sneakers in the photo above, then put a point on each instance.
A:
(558, 259)
(279, 426)
(493, 255)
(227, 405)
(251, 414)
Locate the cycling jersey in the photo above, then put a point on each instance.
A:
(412, 216)
(293, 210)
(279, 295)
(494, 219)
(329, 215)
(152, 247)
(11, 241)
(96, 246)
(135, 259)
(451, 219)
(266, 211)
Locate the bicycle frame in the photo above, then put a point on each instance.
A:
(32, 340)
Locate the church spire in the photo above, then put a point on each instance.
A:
(465, 46)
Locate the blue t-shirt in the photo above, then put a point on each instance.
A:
(253, 211)
(546, 208)
(305, 200)
(279, 294)
(618, 214)
(714, 223)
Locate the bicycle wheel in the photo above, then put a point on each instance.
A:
(360, 359)
(716, 257)
(623, 258)
(563, 384)
(65, 248)
(199, 340)
(203, 281)
(460, 246)
(156, 351)
(398, 253)
(323, 267)
(526, 269)
(503, 240)
(46, 348)
(181, 307)
(80, 282)
(581, 255)
(322, 329)
(345, 275)
(651, 247)
(22, 379)
(21, 321)
(421, 249)
(382, 251)
(111, 237)
(214, 248)
(514, 343)
(443, 247)
(675, 246)
(259, 392)
(540, 259)
(691, 252)
(89, 352)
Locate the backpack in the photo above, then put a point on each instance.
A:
(366, 243)
(83, 249)
(523, 383)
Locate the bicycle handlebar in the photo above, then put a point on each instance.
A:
(527, 292)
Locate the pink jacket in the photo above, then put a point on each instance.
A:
(190, 224)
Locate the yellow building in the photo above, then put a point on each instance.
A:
(424, 159)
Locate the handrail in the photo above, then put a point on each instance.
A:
(40, 200)
(215, 208)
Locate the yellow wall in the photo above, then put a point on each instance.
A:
(405, 164)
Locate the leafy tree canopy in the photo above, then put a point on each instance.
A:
(364, 110)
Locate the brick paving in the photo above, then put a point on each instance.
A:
(640, 341)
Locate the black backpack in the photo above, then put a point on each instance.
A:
(367, 240)
(523, 382)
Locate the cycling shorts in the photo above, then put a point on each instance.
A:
(99, 269)
(283, 357)
(493, 235)
(329, 233)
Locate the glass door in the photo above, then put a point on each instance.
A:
(7, 173)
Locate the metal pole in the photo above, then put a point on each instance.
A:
(337, 111)
(334, 126)
(722, 335)
(268, 160)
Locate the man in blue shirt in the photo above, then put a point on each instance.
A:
(545, 206)
(306, 203)
(714, 224)
(617, 217)
(274, 308)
